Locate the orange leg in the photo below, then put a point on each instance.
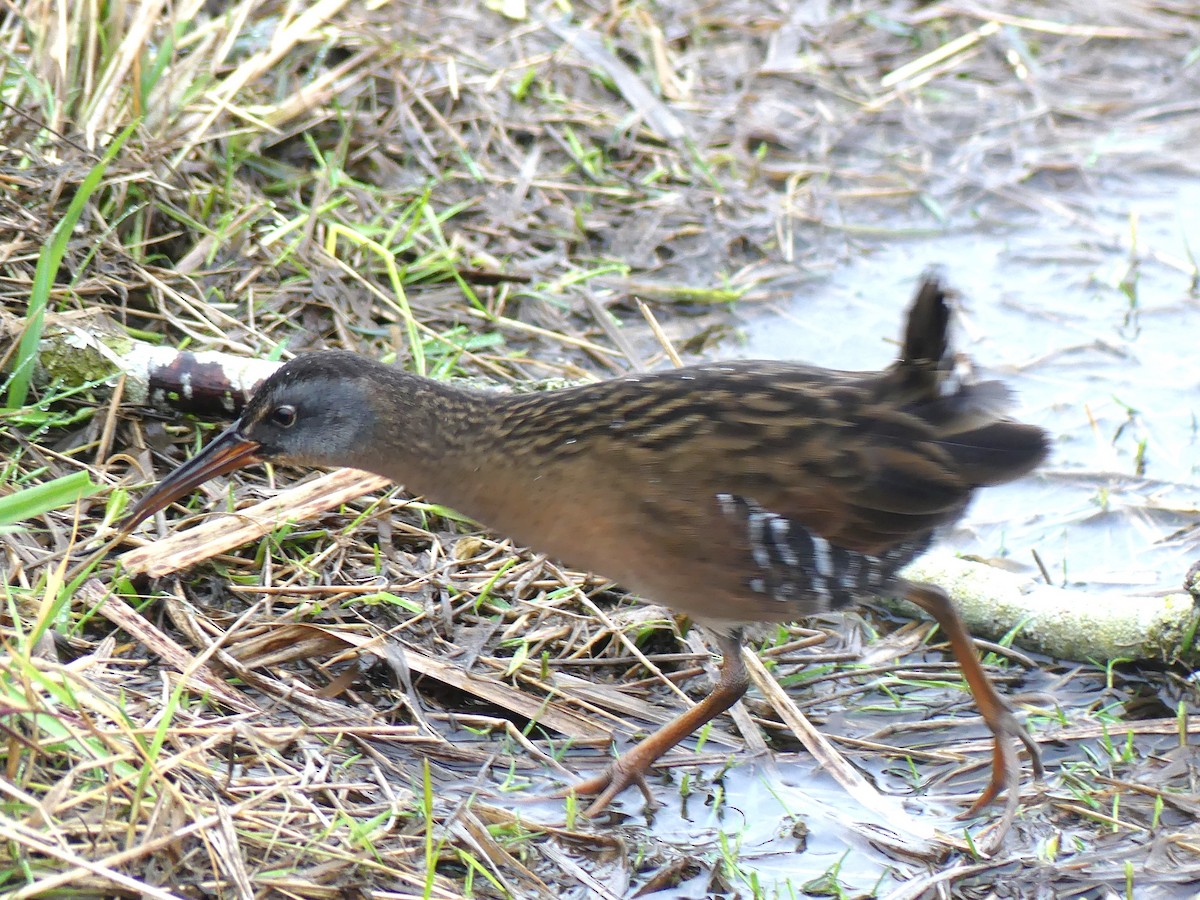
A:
(1006, 774)
(630, 767)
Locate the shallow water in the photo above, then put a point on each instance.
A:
(788, 824)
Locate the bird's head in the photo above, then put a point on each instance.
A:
(314, 411)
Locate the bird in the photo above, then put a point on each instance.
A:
(736, 492)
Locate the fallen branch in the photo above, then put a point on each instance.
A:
(186, 548)
(1061, 623)
(87, 346)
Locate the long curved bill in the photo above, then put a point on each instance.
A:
(226, 452)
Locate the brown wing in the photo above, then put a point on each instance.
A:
(797, 493)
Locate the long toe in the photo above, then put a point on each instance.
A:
(607, 785)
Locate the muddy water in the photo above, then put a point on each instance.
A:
(1094, 323)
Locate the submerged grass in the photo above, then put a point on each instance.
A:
(476, 196)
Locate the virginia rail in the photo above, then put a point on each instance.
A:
(735, 492)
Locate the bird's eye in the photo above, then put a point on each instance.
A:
(284, 415)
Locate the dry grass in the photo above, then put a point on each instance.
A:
(345, 705)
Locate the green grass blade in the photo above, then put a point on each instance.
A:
(48, 264)
(36, 500)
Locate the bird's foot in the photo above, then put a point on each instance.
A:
(1006, 778)
(608, 784)
(1006, 769)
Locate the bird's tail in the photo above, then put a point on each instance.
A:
(926, 336)
(969, 418)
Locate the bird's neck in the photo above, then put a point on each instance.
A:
(431, 437)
